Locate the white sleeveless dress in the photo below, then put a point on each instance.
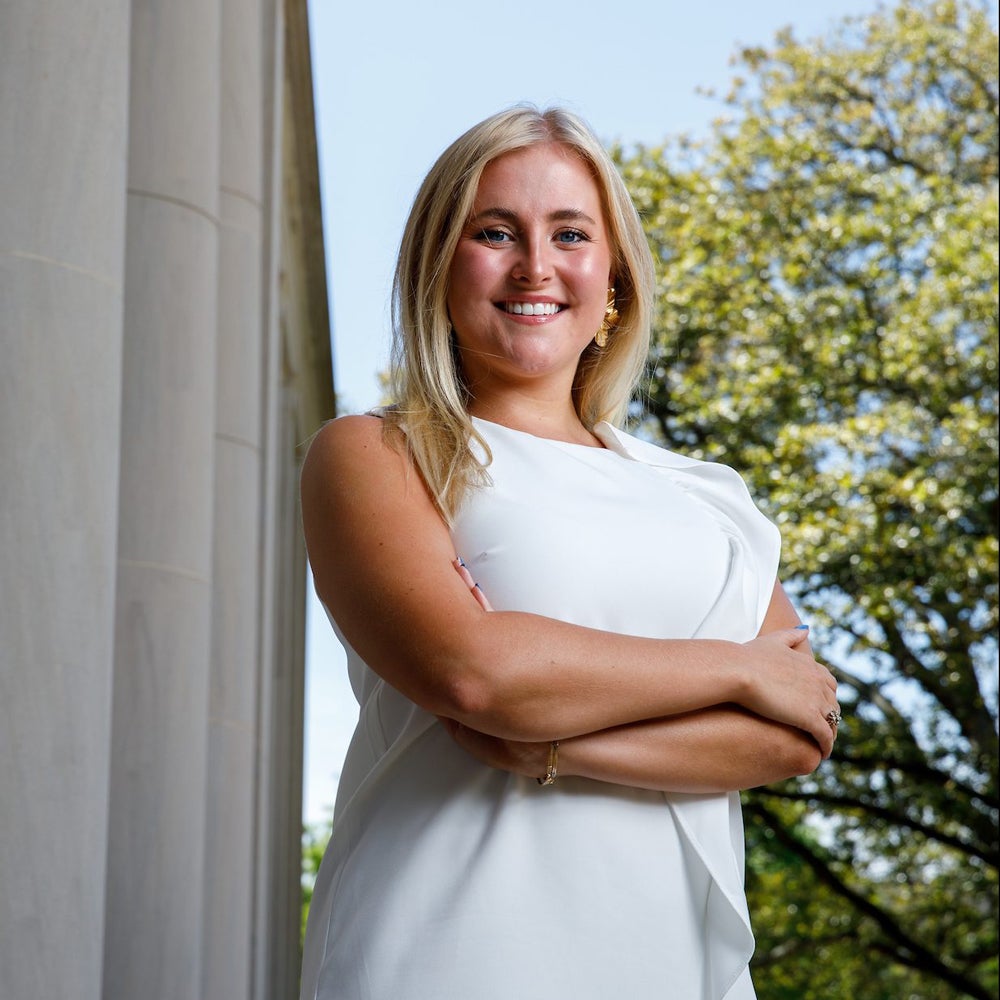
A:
(449, 880)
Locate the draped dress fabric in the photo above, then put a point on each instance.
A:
(446, 879)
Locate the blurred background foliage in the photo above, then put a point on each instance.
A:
(827, 324)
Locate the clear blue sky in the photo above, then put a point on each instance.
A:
(397, 82)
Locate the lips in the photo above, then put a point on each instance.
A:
(532, 308)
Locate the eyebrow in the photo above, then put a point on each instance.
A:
(509, 215)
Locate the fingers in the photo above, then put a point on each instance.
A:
(793, 637)
(477, 591)
(797, 689)
(826, 734)
(796, 637)
(526, 759)
(463, 572)
(833, 719)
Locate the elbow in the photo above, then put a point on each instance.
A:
(463, 695)
(791, 754)
(450, 679)
(479, 678)
(481, 705)
(455, 674)
(802, 756)
(474, 692)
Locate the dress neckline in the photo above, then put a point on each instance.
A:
(601, 430)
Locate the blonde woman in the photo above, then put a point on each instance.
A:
(569, 646)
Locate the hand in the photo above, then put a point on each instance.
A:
(529, 759)
(789, 686)
(477, 591)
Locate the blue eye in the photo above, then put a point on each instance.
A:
(571, 236)
(493, 236)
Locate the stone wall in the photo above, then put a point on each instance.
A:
(161, 259)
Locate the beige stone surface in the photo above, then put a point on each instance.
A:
(174, 101)
(153, 922)
(61, 251)
(64, 122)
(159, 179)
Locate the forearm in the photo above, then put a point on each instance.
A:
(541, 690)
(714, 750)
(528, 677)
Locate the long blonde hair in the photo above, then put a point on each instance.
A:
(426, 375)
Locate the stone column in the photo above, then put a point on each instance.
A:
(297, 398)
(228, 886)
(62, 210)
(157, 833)
(273, 75)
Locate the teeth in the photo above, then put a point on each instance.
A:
(529, 309)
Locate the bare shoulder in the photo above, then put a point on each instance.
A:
(361, 498)
(350, 453)
(346, 440)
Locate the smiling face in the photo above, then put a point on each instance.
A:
(529, 279)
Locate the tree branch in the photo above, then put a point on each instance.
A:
(915, 768)
(985, 852)
(910, 952)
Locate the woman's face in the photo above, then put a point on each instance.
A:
(528, 283)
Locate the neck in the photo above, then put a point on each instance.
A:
(546, 420)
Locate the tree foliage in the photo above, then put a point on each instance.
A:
(827, 267)
(315, 837)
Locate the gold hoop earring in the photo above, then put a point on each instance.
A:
(610, 320)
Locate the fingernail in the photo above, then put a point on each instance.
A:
(461, 562)
(476, 586)
(801, 626)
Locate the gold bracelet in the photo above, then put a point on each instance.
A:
(553, 766)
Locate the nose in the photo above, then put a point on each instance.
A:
(533, 264)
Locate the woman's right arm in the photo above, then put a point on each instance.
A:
(382, 562)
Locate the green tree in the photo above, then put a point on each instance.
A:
(315, 837)
(827, 267)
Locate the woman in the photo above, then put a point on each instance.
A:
(541, 800)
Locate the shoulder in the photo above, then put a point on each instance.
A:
(347, 441)
(357, 483)
(347, 431)
(349, 459)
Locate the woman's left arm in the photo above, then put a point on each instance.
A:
(718, 749)
(713, 750)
